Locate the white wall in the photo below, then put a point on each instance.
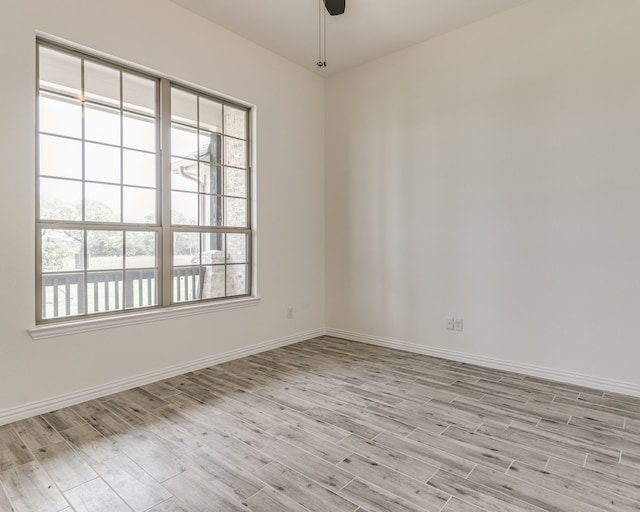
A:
(489, 174)
(493, 174)
(290, 216)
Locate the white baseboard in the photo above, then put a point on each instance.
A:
(40, 407)
(599, 383)
(51, 404)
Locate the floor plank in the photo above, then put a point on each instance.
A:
(95, 496)
(574, 489)
(36, 432)
(312, 467)
(270, 500)
(376, 499)
(90, 443)
(530, 492)
(13, 451)
(5, 504)
(408, 489)
(30, 488)
(170, 505)
(136, 487)
(65, 466)
(193, 487)
(302, 490)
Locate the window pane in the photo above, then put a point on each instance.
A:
(62, 250)
(235, 212)
(235, 122)
(60, 157)
(141, 249)
(102, 163)
(235, 152)
(184, 142)
(102, 203)
(139, 93)
(212, 246)
(235, 182)
(101, 83)
(186, 248)
(210, 179)
(139, 205)
(62, 295)
(102, 124)
(139, 132)
(59, 71)
(184, 175)
(184, 107)
(104, 291)
(210, 115)
(60, 199)
(210, 210)
(213, 282)
(237, 248)
(184, 208)
(139, 168)
(140, 288)
(210, 147)
(104, 249)
(187, 283)
(236, 279)
(60, 116)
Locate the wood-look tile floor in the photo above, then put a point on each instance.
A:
(329, 425)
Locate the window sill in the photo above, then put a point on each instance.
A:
(107, 322)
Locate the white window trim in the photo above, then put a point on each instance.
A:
(78, 326)
(92, 322)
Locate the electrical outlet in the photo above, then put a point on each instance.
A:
(289, 312)
(458, 324)
(450, 324)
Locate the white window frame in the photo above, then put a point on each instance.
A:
(166, 307)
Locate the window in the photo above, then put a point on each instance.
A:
(121, 223)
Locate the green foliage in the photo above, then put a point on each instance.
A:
(62, 247)
(186, 243)
(56, 251)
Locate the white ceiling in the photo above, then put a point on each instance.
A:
(367, 30)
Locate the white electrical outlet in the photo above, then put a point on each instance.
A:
(289, 312)
(458, 324)
(450, 324)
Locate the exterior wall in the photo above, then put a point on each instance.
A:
(289, 166)
(491, 174)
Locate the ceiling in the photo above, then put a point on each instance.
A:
(367, 30)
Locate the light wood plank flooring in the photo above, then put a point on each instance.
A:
(329, 425)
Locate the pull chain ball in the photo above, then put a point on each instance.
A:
(322, 64)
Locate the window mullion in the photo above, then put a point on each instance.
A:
(166, 252)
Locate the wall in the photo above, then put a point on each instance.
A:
(492, 174)
(163, 37)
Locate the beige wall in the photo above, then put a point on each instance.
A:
(492, 174)
(290, 211)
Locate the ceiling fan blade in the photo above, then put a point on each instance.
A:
(335, 7)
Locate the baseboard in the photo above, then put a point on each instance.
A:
(51, 404)
(40, 407)
(599, 383)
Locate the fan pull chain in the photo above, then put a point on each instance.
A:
(322, 36)
(324, 17)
